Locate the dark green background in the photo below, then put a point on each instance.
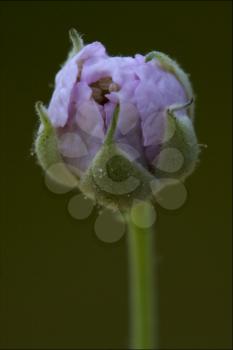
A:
(60, 286)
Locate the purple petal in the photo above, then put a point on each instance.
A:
(58, 107)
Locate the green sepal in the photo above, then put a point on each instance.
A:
(182, 143)
(46, 150)
(113, 179)
(77, 42)
(172, 66)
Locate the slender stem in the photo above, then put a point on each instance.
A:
(142, 286)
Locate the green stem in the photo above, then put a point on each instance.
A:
(142, 286)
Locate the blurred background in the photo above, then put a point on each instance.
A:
(61, 286)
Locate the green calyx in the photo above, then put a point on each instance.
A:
(180, 150)
(77, 42)
(113, 179)
(46, 149)
(172, 66)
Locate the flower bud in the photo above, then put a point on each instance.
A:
(114, 124)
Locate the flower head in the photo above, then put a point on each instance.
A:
(149, 97)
